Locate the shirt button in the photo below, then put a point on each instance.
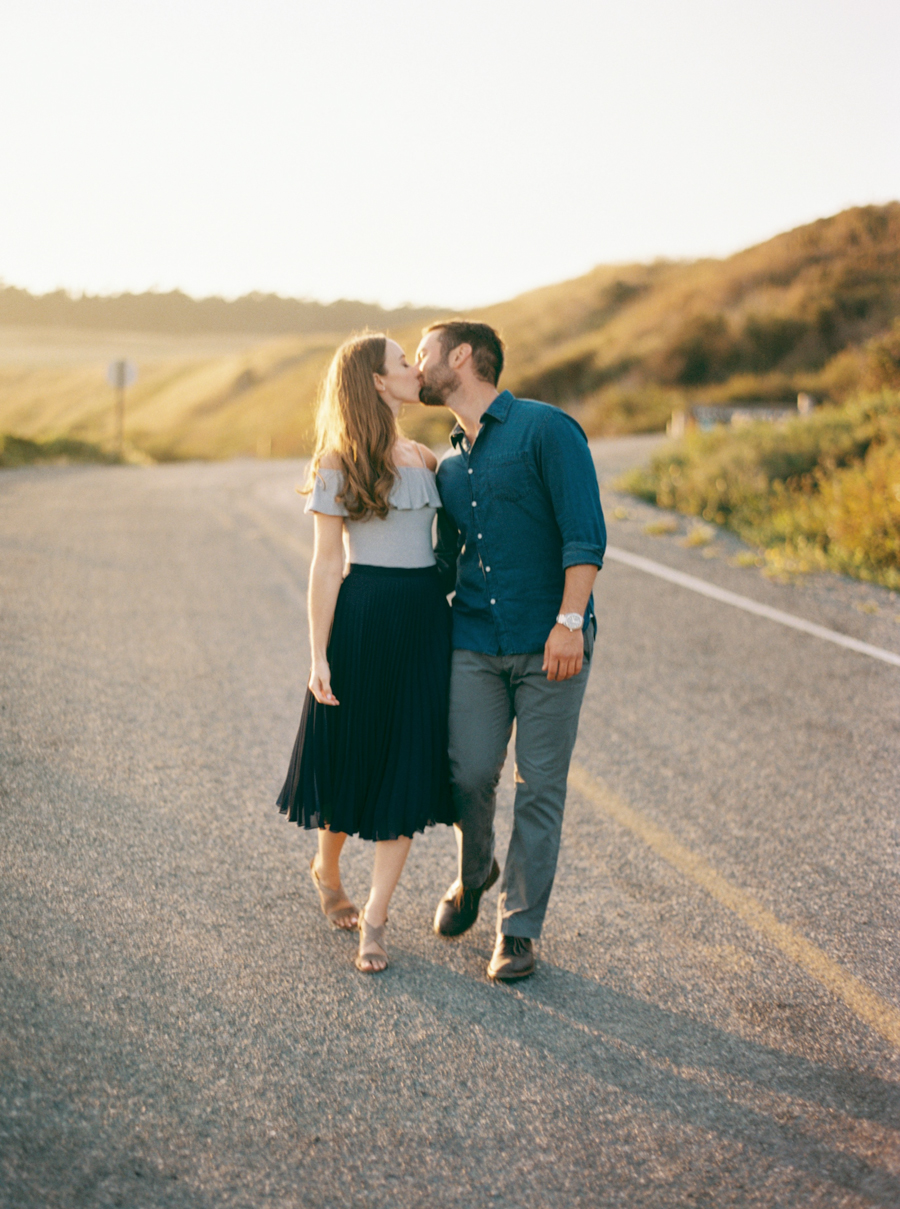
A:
(471, 471)
(487, 568)
(479, 537)
(474, 505)
(493, 601)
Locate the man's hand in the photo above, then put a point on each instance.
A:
(563, 653)
(320, 683)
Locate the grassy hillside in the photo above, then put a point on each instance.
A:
(185, 403)
(809, 310)
(795, 313)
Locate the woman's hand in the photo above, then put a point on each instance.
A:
(320, 683)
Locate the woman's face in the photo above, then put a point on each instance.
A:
(399, 383)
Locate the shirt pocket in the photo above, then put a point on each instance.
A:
(507, 476)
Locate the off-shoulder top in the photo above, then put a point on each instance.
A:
(403, 537)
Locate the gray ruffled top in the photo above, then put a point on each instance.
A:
(403, 538)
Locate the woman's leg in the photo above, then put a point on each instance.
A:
(390, 857)
(326, 873)
(328, 867)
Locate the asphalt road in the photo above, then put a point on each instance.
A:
(715, 1020)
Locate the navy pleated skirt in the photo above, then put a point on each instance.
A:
(376, 765)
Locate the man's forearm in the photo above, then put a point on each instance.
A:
(564, 650)
(579, 585)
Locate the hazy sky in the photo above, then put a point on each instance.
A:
(433, 152)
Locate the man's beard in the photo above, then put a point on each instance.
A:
(435, 391)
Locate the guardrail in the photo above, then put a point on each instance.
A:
(705, 416)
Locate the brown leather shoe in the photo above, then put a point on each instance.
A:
(458, 909)
(513, 958)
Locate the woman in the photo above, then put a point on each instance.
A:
(371, 755)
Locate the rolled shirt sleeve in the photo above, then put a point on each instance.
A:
(567, 469)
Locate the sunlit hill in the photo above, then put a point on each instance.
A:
(811, 310)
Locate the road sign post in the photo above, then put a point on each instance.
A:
(119, 375)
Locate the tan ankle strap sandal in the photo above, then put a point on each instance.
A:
(371, 947)
(335, 903)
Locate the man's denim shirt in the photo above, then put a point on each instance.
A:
(519, 506)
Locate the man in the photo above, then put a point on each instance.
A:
(523, 529)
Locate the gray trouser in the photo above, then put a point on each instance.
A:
(488, 692)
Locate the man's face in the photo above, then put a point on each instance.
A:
(437, 381)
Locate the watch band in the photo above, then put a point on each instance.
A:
(572, 621)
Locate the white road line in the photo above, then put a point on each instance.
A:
(748, 605)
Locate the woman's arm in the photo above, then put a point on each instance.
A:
(446, 551)
(325, 577)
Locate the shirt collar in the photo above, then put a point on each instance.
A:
(498, 410)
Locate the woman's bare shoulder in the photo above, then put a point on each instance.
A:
(430, 460)
(408, 452)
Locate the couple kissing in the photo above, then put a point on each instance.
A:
(411, 700)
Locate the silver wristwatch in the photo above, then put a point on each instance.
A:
(572, 621)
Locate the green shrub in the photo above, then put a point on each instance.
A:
(819, 491)
(704, 349)
(618, 410)
(882, 365)
(19, 451)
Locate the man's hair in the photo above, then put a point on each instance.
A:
(487, 347)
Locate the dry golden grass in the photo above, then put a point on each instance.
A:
(825, 286)
(191, 399)
(621, 347)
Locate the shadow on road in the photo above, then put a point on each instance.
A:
(681, 1067)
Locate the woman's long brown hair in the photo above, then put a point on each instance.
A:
(354, 424)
